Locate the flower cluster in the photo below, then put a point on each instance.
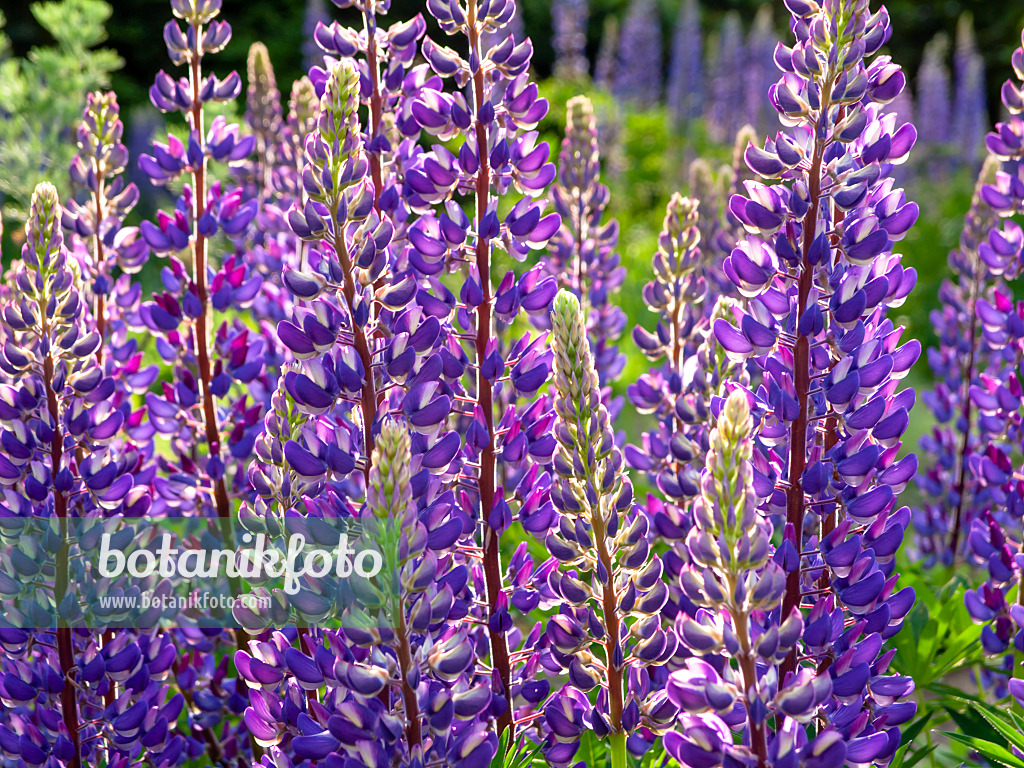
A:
(956, 493)
(609, 578)
(819, 274)
(989, 502)
(569, 23)
(582, 253)
(358, 325)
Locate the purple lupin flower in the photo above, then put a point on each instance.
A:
(760, 70)
(680, 393)
(738, 587)
(102, 245)
(502, 149)
(99, 222)
(182, 315)
(955, 494)
(337, 216)
(724, 109)
(685, 88)
(607, 53)
(995, 535)
(819, 274)
(582, 254)
(638, 67)
(62, 457)
(569, 23)
(264, 118)
(609, 577)
(934, 108)
(673, 394)
(970, 104)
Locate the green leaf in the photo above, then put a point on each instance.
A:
(998, 720)
(987, 749)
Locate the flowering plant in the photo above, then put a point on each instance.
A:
(390, 313)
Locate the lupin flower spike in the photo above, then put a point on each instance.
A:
(956, 493)
(637, 74)
(101, 160)
(934, 106)
(738, 587)
(498, 116)
(609, 577)
(569, 23)
(582, 254)
(970, 103)
(995, 533)
(819, 275)
(685, 88)
(724, 109)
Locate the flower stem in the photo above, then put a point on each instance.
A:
(65, 643)
(802, 383)
(99, 311)
(202, 340)
(492, 555)
(617, 742)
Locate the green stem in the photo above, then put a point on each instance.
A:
(617, 742)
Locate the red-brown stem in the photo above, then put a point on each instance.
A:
(368, 396)
(376, 110)
(828, 522)
(492, 554)
(412, 708)
(802, 383)
(376, 105)
(65, 646)
(610, 609)
(111, 695)
(202, 340)
(748, 669)
(965, 412)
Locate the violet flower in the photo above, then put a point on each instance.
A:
(501, 150)
(638, 69)
(182, 316)
(934, 107)
(819, 274)
(569, 24)
(995, 536)
(955, 494)
(608, 628)
(970, 103)
(685, 88)
(724, 110)
(739, 588)
(582, 254)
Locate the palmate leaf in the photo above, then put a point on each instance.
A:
(904, 758)
(990, 751)
(525, 754)
(1006, 723)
